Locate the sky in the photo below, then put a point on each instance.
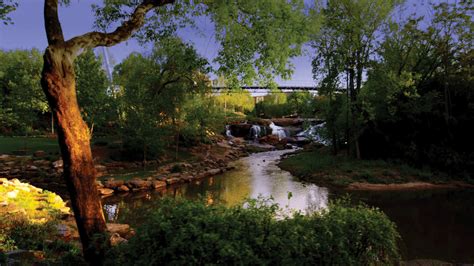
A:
(28, 32)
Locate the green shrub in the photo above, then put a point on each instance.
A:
(184, 232)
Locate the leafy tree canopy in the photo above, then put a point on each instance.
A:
(7, 6)
(256, 37)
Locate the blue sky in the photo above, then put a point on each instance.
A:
(28, 32)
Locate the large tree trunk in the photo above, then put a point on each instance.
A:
(58, 82)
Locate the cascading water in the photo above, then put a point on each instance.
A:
(228, 133)
(278, 131)
(314, 133)
(255, 131)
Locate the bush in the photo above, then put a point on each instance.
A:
(184, 232)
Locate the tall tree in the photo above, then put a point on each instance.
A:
(92, 90)
(347, 42)
(264, 33)
(21, 98)
(153, 90)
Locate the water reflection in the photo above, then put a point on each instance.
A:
(256, 175)
(432, 224)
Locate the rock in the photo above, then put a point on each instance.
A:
(4, 156)
(113, 184)
(14, 171)
(101, 168)
(116, 239)
(58, 164)
(21, 257)
(240, 130)
(285, 122)
(187, 179)
(41, 162)
(140, 184)
(212, 172)
(99, 184)
(39, 154)
(32, 167)
(121, 229)
(158, 184)
(105, 191)
(12, 194)
(172, 180)
(123, 188)
(270, 139)
(223, 145)
(63, 230)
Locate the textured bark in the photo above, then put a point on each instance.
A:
(58, 82)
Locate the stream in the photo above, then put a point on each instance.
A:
(433, 224)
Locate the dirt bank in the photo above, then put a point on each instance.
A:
(406, 186)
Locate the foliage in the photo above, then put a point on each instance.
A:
(279, 104)
(184, 232)
(417, 101)
(29, 216)
(155, 90)
(203, 118)
(345, 46)
(235, 100)
(320, 167)
(256, 39)
(334, 109)
(93, 90)
(21, 97)
(6, 7)
(301, 103)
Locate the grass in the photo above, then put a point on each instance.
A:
(10, 145)
(127, 175)
(319, 166)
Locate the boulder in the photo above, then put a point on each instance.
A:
(100, 168)
(121, 229)
(113, 184)
(99, 184)
(187, 178)
(158, 184)
(285, 122)
(105, 191)
(32, 168)
(58, 164)
(139, 183)
(39, 154)
(172, 180)
(123, 188)
(270, 139)
(212, 172)
(4, 157)
(116, 239)
(240, 130)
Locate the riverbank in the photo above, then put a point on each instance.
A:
(317, 165)
(44, 169)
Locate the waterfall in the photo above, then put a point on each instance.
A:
(278, 131)
(314, 133)
(228, 133)
(255, 132)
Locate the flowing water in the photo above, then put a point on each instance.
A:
(433, 224)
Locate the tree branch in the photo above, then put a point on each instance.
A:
(52, 25)
(122, 33)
